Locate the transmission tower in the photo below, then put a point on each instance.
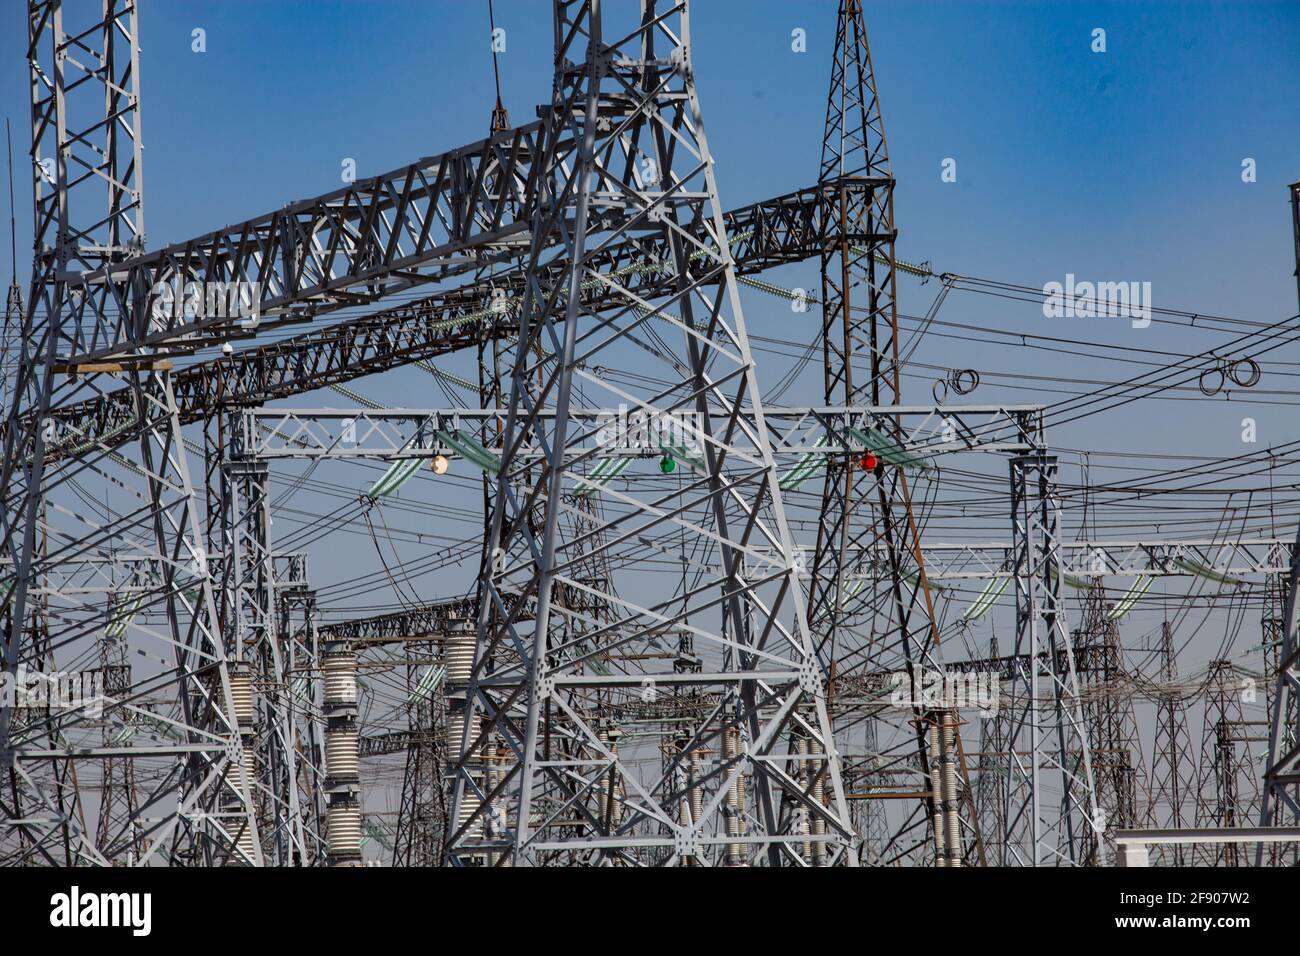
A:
(623, 154)
(866, 503)
(86, 160)
(1280, 800)
(1173, 771)
(1108, 711)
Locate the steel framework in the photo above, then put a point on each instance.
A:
(1280, 800)
(625, 93)
(755, 685)
(195, 805)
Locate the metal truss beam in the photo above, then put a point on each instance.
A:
(416, 624)
(437, 218)
(922, 431)
(423, 222)
(771, 232)
(1157, 557)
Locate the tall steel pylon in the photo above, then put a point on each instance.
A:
(889, 625)
(1173, 771)
(624, 155)
(1280, 799)
(176, 724)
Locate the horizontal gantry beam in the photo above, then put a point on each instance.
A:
(437, 217)
(435, 619)
(942, 561)
(769, 233)
(1215, 560)
(926, 431)
(427, 222)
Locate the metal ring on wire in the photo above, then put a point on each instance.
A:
(964, 380)
(1205, 378)
(1247, 378)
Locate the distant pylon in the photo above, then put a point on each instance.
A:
(1108, 711)
(1173, 770)
(422, 812)
(1228, 788)
(992, 773)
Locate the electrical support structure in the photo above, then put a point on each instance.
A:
(86, 134)
(623, 151)
(577, 705)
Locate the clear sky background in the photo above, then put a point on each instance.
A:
(1119, 163)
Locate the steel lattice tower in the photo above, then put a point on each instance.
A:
(623, 155)
(422, 814)
(862, 509)
(179, 727)
(1173, 770)
(992, 776)
(1280, 799)
(1228, 788)
(1045, 732)
(1108, 712)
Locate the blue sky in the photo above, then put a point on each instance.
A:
(1057, 147)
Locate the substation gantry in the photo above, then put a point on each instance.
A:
(230, 733)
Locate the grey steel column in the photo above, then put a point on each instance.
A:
(1045, 731)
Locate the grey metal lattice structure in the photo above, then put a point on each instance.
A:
(867, 504)
(1280, 799)
(772, 232)
(1173, 768)
(1045, 732)
(282, 663)
(194, 805)
(623, 151)
(926, 433)
(1114, 746)
(589, 241)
